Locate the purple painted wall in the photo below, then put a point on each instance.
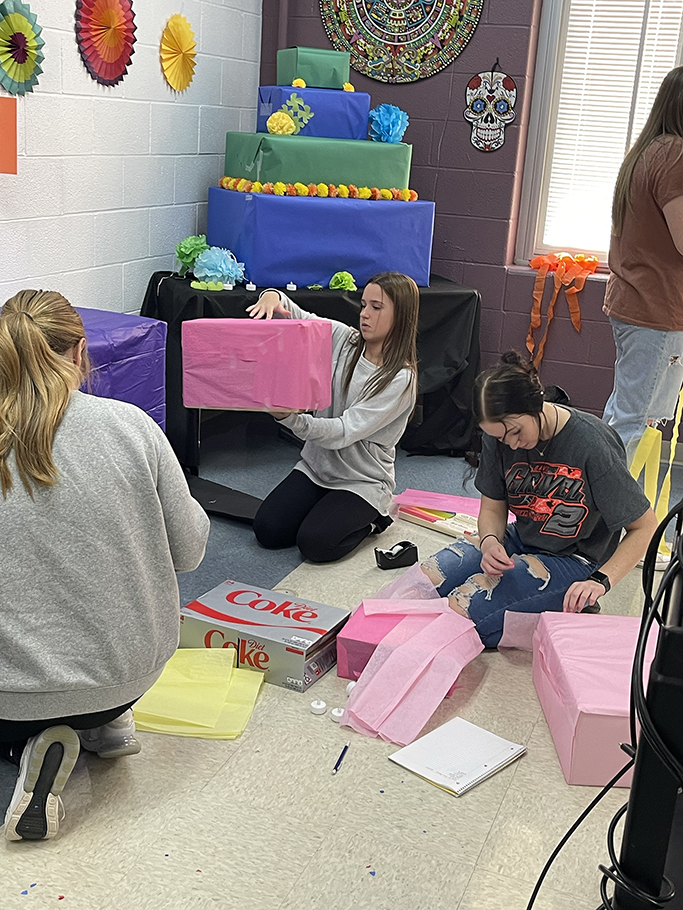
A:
(476, 193)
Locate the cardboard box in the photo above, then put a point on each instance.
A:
(291, 640)
(317, 67)
(257, 364)
(358, 639)
(336, 115)
(269, 233)
(582, 673)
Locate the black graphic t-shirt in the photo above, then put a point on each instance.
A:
(574, 500)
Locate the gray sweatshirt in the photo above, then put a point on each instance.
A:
(352, 444)
(89, 603)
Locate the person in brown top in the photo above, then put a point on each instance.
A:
(644, 297)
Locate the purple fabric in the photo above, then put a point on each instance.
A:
(128, 355)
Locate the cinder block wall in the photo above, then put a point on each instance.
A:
(111, 178)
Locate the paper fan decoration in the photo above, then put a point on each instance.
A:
(105, 31)
(20, 47)
(178, 52)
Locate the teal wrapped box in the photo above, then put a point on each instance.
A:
(317, 67)
(307, 239)
(335, 115)
(307, 159)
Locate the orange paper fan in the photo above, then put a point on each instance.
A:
(105, 30)
(177, 52)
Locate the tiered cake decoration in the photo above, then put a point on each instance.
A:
(308, 194)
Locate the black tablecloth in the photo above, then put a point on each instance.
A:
(448, 352)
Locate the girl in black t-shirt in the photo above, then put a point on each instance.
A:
(563, 475)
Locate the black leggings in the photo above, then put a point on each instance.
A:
(324, 524)
(14, 733)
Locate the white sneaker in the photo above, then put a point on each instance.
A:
(112, 740)
(661, 563)
(36, 808)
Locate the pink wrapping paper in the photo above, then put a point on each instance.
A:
(257, 364)
(518, 630)
(582, 673)
(413, 584)
(443, 502)
(373, 607)
(409, 674)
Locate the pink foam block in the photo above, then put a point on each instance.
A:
(582, 673)
(257, 364)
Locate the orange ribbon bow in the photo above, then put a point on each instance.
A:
(566, 269)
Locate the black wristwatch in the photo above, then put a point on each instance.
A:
(601, 578)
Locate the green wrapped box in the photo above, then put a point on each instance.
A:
(308, 159)
(318, 68)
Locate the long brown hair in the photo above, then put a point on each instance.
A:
(399, 350)
(36, 381)
(666, 119)
(508, 388)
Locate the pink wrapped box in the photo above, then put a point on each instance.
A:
(358, 639)
(582, 673)
(257, 364)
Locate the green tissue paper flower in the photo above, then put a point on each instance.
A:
(343, 281)
(188, 250)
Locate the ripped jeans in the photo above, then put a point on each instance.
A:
(533, 586)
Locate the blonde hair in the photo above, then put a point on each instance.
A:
(399, 350)
(666, 119)
(36, 381)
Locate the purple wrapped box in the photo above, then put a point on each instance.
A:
(128, 355)
(307, 239)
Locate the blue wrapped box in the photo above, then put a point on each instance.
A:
(307, 239)
(336, 114)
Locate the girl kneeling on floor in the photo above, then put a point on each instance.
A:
(95, 520)
(341, 489)
(563, 474)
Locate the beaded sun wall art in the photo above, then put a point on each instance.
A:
(400, 40)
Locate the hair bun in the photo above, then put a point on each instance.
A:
(514, 358)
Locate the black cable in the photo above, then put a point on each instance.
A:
(565, 838)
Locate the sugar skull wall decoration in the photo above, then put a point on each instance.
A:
(490, 108)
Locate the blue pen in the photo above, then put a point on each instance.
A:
(341, 758)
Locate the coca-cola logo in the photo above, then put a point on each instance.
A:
(287, 609)
(249, 653)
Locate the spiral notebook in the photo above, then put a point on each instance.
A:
(457, 755)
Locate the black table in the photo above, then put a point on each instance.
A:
(448, 352)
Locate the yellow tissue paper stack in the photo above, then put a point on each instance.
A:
(201, 694)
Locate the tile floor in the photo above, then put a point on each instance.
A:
(261, 824)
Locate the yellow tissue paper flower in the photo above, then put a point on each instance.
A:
(343, 191)
(348, 87)
(299, 83)
(301, 189)
(279, 188)
(363, 192)
(240, 186)
(405, 195)
(280, 123)
(323, 190)
(257, 187)
(385, 194)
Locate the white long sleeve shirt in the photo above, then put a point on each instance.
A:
(352, 444)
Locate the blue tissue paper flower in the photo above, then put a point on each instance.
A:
(388, 123)
(216, 264)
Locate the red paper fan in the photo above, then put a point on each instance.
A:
(105, 31)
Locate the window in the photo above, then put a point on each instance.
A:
(599, 66)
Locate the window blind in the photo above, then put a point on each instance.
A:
(613, 57)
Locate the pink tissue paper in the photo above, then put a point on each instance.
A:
(257, 364)
(582, 673)
(409, 674)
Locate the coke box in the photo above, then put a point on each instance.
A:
(292, 641)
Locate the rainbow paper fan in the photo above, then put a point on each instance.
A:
(105, 31)
(177, 52)
(20, 47)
